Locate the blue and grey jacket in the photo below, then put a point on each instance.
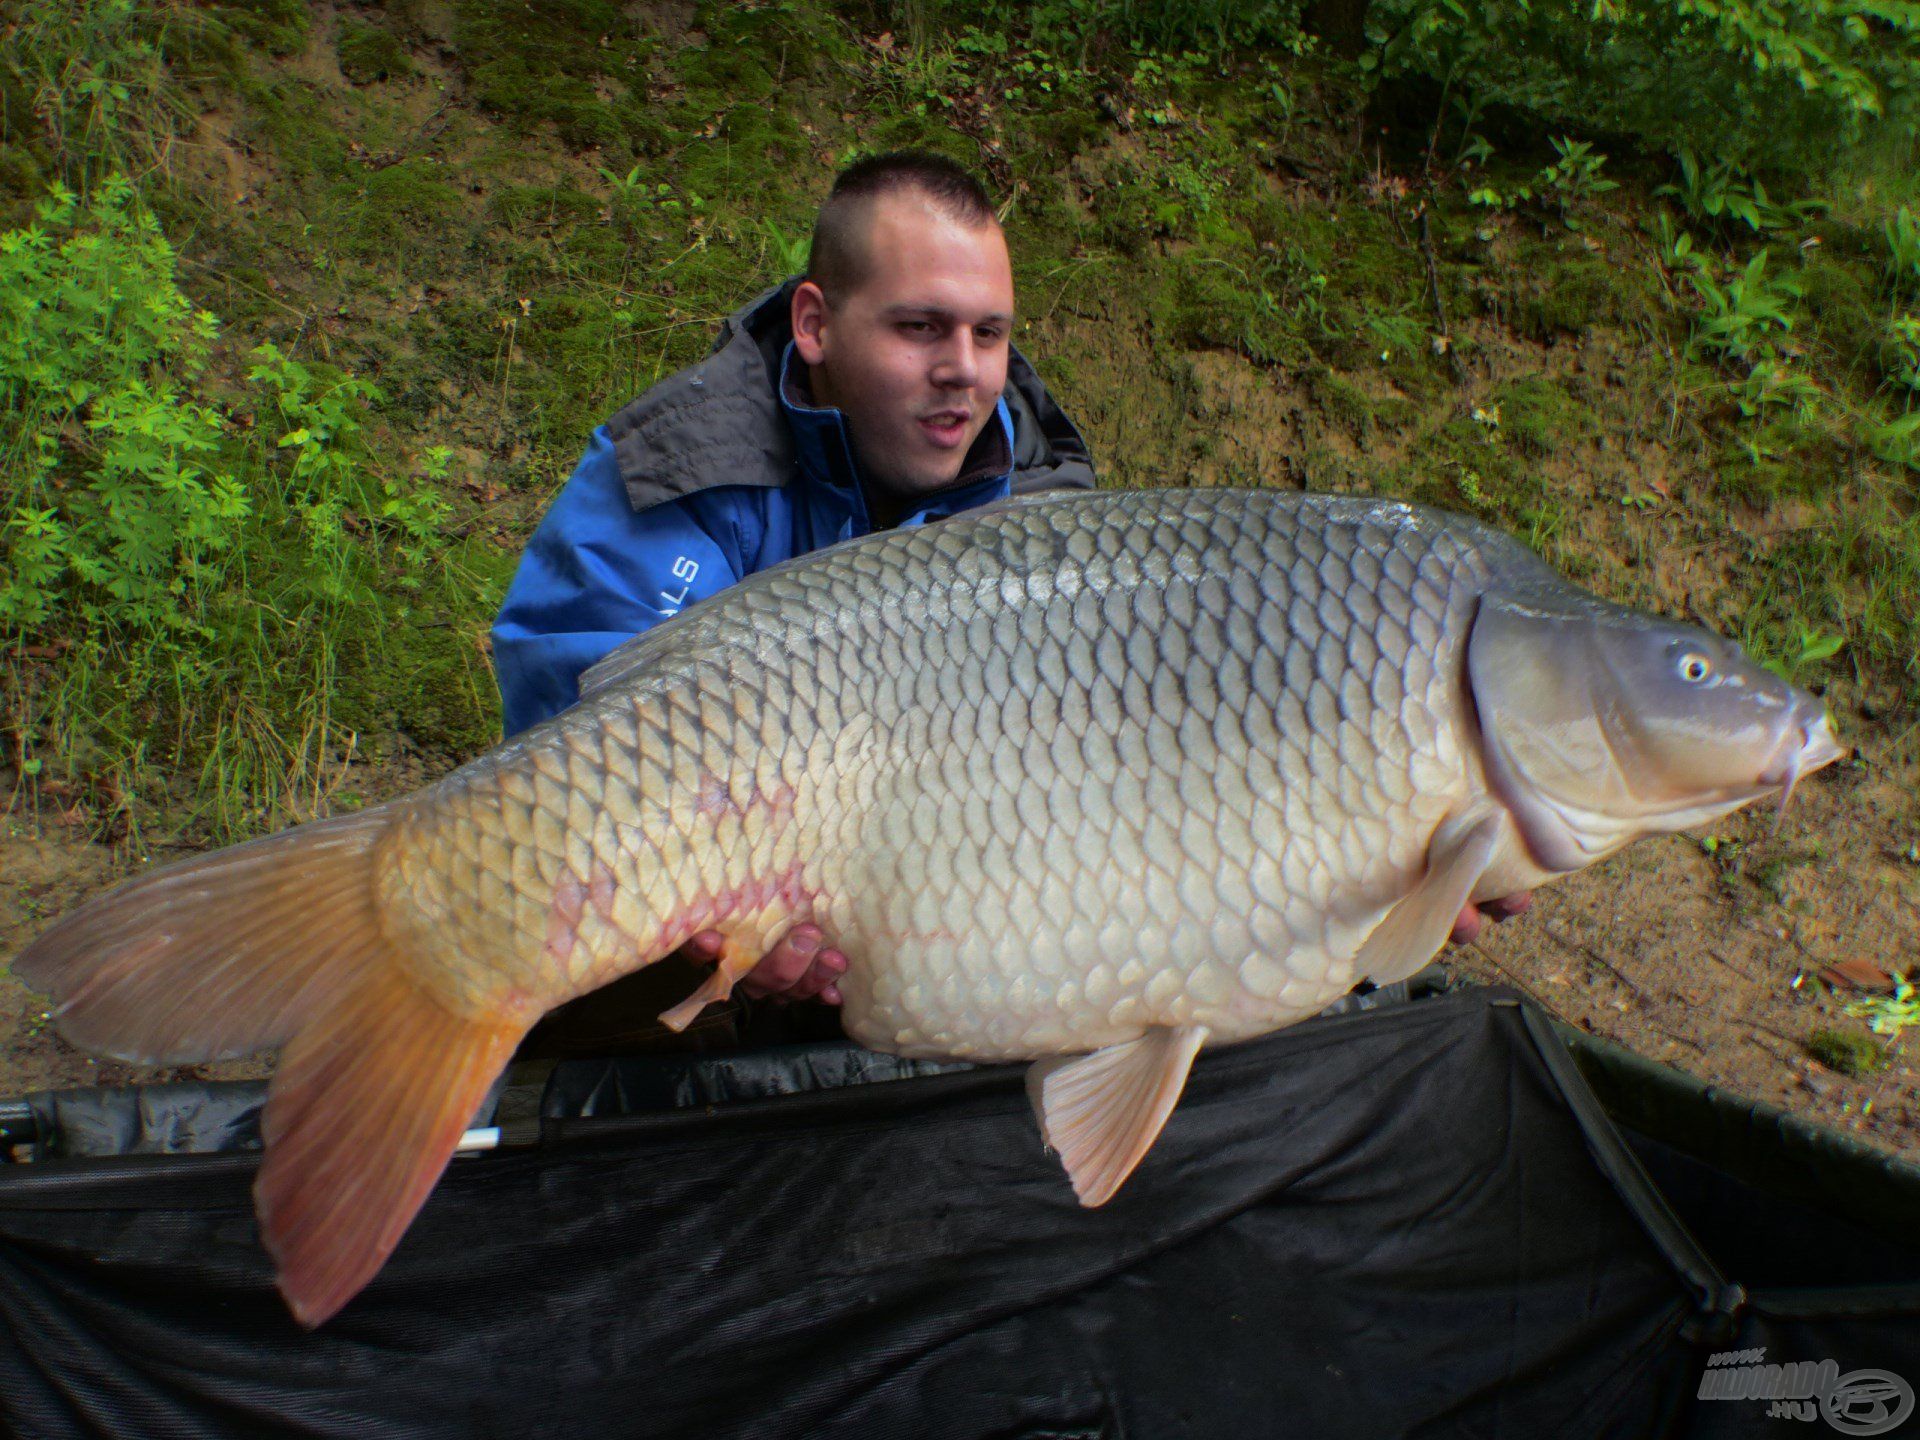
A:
(718, 471)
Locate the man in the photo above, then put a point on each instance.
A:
(882, 390)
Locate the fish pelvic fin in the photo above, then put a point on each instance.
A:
(1102, 1112)
(281, 942)
(1415, 929)
(736, 959)
(366, 1108)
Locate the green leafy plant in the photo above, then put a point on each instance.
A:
(1721, 191)
(786, 254)
(1748, 84)
(95, 75)
(1198, 185)
(1902, 351)
(1902, 230)
(194, 557)
(1772, 384)
(1038, 78)
(1280, 100)
(933, 77)
(632, 195)
(1212, 31)
(1744, 317)
(1494, 198)
(1809, 645)
(114, 502)
(1571, 179)
(1677, 252)
(1397, 333)
(1896, 441)
(630, 188)
(1890, 1015)
(1575, 176)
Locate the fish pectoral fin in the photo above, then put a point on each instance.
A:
(1415, 929)
(1103, 1111)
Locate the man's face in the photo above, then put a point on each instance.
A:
(915, 355)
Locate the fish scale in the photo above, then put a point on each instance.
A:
(1110, 776)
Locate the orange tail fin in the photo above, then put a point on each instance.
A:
(365, 1111)
(280, 942)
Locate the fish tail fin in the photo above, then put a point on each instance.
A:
(281, 942)
(220, 955)
(366, 1108)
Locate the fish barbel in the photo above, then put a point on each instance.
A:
(1089, 780)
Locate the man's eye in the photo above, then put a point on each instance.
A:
(989, 336)
(916, 327)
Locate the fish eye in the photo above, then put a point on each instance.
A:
(1695, 667)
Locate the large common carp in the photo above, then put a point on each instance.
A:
(1119, 773)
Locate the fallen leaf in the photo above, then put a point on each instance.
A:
(1857, 975)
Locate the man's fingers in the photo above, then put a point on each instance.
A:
(785, 966)
(1508, 906)
(1466, 925)
(704, 948)
(796, 968)
(1472, 918)
(828, 966)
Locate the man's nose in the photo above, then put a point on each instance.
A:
(959, 362)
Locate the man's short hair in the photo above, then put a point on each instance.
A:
(838, 261)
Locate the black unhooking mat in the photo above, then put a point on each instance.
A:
(1412, 1221)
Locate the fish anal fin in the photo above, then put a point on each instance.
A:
(1415, 929)
(366, 1108)
(1102, 1112)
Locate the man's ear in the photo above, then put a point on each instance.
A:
(809, 322)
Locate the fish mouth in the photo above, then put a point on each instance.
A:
(1807, 747)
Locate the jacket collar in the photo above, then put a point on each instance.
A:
(719, 417)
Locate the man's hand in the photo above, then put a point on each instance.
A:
(798, 967)
(1472, 917)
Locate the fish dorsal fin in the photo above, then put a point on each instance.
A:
(624, 659)
(1415, 929)
(1103, 1111)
